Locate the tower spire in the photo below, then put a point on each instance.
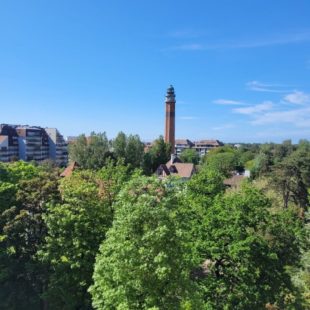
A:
(170, 118)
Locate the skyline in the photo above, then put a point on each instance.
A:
(241, 72)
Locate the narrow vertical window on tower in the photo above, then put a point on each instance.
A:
(170, 118)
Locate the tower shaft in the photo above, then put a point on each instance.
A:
(170, 118)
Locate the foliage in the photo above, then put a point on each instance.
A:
(140, 264)
(130, 148)
(22, 233)
(243, 267)
(223, 162)
(190, 156)
(76, 227)
(159, 153)
(90, 152)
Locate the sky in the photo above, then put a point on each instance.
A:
(240, 68)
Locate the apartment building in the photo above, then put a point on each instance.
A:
(202, 147)
(8, 143)
(32, 143)
(58, 147)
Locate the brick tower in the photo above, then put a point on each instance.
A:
(170, 118)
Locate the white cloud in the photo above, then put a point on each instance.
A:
(263, 87)
(188, 47)
(228, 102)
(223, 127)
(297, 97)
(277, 39)
(297, 117)
(252, 110)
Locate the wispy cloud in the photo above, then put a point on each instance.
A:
(266, 87)
(277, 39)
(228, 102)
(297, 97)
(255, 109)
(187, 47)
(223, 127)
(185, 34)
(187, 117)
(297, 117)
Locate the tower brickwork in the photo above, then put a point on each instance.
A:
(170, 118)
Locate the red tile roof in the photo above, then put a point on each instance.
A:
(69, 170)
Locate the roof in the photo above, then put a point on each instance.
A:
(183, 141)
(209, 142)
(183, 170)
(69, 170)
(234, 181)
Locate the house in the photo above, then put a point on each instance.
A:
(175, 167)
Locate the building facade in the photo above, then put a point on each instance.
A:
(19, 142)
(170, 118)
(8, 143)
(202, 147)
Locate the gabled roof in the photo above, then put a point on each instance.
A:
(69, 170)
(183, 170)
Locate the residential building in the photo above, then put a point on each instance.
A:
(181, 145)
(8, 143)
(204, 146)
(32, 143)
(175, 167)
(58, 149)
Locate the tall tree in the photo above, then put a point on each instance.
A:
(22, 233)
(76, 227)
(190, 156)
(90, 152)
(141, 263)
(246, 251)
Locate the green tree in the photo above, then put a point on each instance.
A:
(190, 156)
(76, 227)
(90, 152)
(22, 233)
(246, 251)
(134, 151)
(224, 162)
(160, 153)
(291, 178)
(119, 145)
(141, 263)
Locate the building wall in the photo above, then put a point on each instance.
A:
(33, 143)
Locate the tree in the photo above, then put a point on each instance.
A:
(190, 156)
(130, 148)
(246, 251)
(76, 227)
(224, 162)
(141, 263)
(134, 151)
(119, 145)
(22, 232)
(91, 152)
(160, 153)
(291, 177)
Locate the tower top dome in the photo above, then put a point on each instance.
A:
(170, 96)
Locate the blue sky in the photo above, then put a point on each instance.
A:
(240, 68)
